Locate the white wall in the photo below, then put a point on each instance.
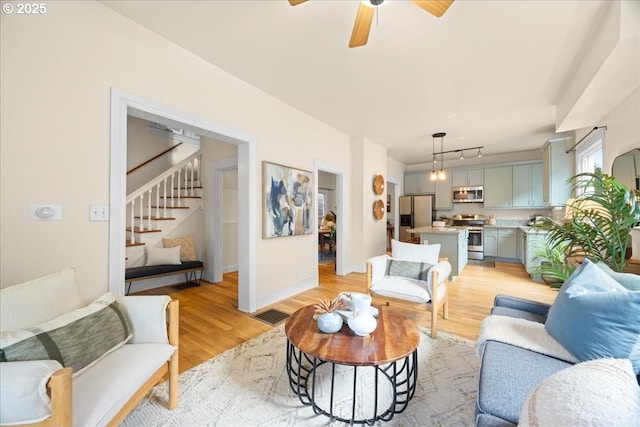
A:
(369, 235)
(62, 83)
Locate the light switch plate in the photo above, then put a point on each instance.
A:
(99, 213)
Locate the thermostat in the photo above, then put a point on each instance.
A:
(45, 212)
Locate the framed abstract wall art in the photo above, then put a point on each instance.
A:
(288, 201)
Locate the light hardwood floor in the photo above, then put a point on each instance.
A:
(210, 322)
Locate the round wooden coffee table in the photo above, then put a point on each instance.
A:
(391, 351)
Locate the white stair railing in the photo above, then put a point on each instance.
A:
(185, 174)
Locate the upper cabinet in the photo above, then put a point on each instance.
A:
(467, 178)
(497, 187)
(527, 186)
(443, 194)
(418, 183)
(557, 168)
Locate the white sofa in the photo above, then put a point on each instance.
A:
(123, 347)
(413, 272)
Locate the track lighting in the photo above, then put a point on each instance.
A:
(479, 153)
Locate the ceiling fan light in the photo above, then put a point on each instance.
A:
(372, 3)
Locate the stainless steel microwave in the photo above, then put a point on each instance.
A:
(468, 194)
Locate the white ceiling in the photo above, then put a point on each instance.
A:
(487, 73)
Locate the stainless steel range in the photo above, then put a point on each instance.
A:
(475, 225)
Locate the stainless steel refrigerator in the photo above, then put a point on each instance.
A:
(415, 211)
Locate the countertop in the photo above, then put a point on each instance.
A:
(525, 228)
(438, 230)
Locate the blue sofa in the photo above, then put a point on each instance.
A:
(508, 374)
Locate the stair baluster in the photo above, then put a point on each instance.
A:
(132, 239)
(183, 180)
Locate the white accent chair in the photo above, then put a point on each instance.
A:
(432, 291)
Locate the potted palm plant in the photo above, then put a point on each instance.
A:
(597, 228)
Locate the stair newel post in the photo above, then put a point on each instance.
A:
(141, 212)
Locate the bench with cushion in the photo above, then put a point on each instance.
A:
(189, 268)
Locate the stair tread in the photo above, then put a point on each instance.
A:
(130, 245)
(155, 218)
(181, 197)
(138, 230)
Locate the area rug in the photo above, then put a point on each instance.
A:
(248, 386)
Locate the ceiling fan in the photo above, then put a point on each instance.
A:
(367, 8)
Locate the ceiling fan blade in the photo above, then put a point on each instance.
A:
(361, 27)
(435, 7)
(296, 2)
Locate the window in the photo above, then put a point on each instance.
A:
(321, 205)
(589, 153)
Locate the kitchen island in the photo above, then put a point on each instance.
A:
(453, 241)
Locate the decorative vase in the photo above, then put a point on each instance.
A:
(362, 324)
(329, 322)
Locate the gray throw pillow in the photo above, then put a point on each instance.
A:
(408, 269)
(76, 339)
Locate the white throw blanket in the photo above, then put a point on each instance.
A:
(522, 333)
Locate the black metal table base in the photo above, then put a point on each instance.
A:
(401, 375)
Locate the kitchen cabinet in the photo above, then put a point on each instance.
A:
(454, 246)
(497, 187)
(443, 194)
(526, 186)
(467, 178)
(500, 242)
(418, 183)
(490, 241)
(557, 168)
(507, 243)
(533, 240)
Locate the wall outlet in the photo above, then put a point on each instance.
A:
(99, 213)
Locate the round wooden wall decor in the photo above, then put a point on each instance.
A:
(378, 209)
(378, 184)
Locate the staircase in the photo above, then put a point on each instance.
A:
(161, 205)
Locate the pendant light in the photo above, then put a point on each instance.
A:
(434, 174)
(442, 175)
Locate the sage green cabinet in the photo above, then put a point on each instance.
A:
(557, 168)
(507, 243)
(500, 242)
(490, 241)
(418, 183)
(467, 178)
(454, 246)
(443, 194)
(497, 187)
(527, 186)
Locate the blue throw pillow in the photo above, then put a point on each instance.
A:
(595, 317)
(628, 280)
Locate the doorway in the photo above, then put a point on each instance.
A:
(333, 176)
(123, 105)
